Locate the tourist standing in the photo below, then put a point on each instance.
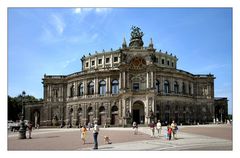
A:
(29, 126)
(89, 126)
(174, 129)
(135, 128)
(159, 128)
(95, 134)
(83, 134)
(152, 128)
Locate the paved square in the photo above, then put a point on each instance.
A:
(207, 137)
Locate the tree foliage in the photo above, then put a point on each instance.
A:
(15, 105)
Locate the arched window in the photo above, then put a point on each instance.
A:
(114, 109)
(176, 87)
(91, 88)
(166, 87)
(115, 87)
(71, 91)
(183, 88)
(80, 90)
(102, 87)
(101, 109)
(157, 86)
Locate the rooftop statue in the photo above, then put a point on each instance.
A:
(136, 38)
(136, 32)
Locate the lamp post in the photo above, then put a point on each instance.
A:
(22, 130)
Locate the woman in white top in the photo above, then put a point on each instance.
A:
(159, 128)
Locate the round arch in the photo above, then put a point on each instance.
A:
(138, 114)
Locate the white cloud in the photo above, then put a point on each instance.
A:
(58, 23)
(102, 10)
(66, 63)
(82, 10)
(89, 10)
(77, 10)
(53, 29)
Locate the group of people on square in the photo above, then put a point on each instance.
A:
(171, 131)
(154, 126)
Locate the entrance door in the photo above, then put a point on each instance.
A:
(136, 116)
(138, 112)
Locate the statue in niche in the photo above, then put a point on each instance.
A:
(153, 57)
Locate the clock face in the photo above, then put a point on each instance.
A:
(137, 62)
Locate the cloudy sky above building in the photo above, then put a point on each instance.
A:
(52, 40)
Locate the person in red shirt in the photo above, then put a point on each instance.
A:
(169, 130)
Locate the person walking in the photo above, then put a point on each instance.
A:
(169, 132)
(174, 129)
(159, 128)
(152, 128)
(135, 128)
(83, 134)
(29, 126)
(95, 134)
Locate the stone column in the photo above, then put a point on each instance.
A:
(97, 111)
(120, 80)
(151, 79)
(85, 88)
(124, 80)
(96, 62)
(147, 81)
(127, 80)
(111, 62)
(74, 115)
(50, 93)
(108, 113)
(96, 85)
(147, 119)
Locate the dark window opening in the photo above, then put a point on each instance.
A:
(135, 86)
(115, 59)
(107, 60)
(99, 61)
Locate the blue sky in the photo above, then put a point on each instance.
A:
(52, 40)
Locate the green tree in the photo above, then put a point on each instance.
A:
(15, 105)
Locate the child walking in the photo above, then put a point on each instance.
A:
(83, 134)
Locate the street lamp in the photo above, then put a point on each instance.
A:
(22, 130)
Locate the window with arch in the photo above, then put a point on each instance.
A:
(183, 88)
(166, 87)
(157, 86)
(71, 91)
(90, 88)
(114, 109)
(80, 89)
(102, 109)
(115, 87)
(176, 87)
(102, 87)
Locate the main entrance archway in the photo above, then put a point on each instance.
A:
(138, 112)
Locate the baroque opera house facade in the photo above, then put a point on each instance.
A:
(132, 83)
